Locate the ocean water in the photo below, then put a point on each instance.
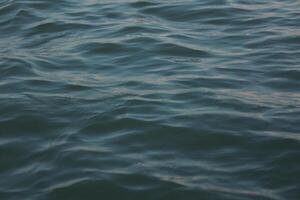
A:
(131, 100)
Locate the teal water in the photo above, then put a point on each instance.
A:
(149, 100)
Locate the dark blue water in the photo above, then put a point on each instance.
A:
(149, 100)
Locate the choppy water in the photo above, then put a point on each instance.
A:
(150, 99)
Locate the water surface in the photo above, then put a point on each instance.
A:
(149, 99)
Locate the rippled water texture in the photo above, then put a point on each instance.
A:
(150, 100)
